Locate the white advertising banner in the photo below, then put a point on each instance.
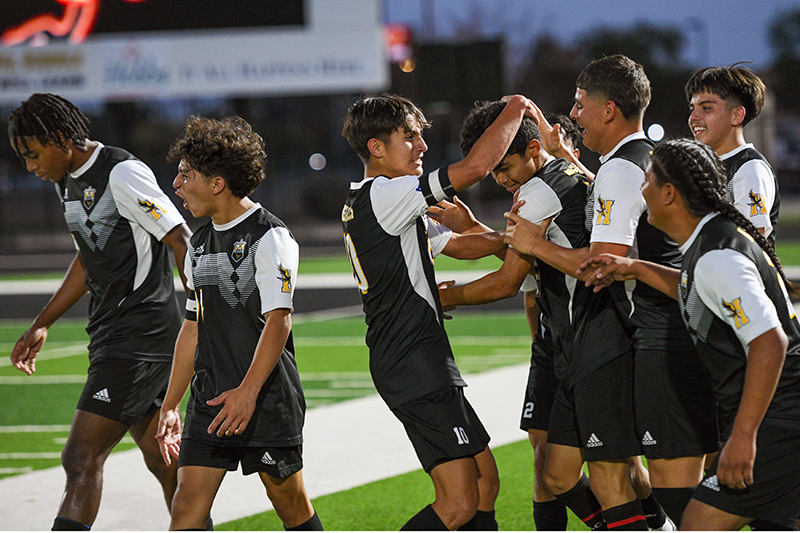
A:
(340, 49)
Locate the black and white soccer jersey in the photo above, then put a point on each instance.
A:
(730, 293)
(391, 244)
(117, 215)
(619, 215)
(753, 187)
(586, 330)
(236, 273)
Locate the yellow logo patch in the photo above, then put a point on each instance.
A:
(736, 312)
(286, 279)
(604, 212)
(149, 206)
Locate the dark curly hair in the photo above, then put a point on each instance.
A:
(483, 115)
(228, 147)
(48, 118)
(619, 79)
(569, 128)
(378, 117)
(735, 82)
(697, 172)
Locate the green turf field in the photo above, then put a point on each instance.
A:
(331, 356)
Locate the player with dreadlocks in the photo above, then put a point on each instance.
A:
(122, 224)
(735, 303)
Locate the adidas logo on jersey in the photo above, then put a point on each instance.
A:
(267, 459)
(593, 441)
(648, 439)
(711, 483)
(102, 395)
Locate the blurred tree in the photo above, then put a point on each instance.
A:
(784, 77)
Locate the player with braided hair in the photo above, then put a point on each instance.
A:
(122, 224)
(735, 304)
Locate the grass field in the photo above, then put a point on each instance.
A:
(333, 363)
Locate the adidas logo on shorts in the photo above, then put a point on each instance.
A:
(593, 441)
(267, 459)
(102, 395)
(711, 483)
(648, 439)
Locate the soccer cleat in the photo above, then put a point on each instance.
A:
(668, 525)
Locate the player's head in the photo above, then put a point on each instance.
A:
(42, 131)
(521, 160)
(694, 170)
(569, 131)
(226, 148)
(738, 86)
(378, 117)
(619, 79)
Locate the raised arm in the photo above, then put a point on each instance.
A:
(72, 289)
(492, 146)
(502, 283)
(603, 269)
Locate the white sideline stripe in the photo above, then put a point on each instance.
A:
(347, 444)
(23, 470)
(34, 429)
(304, 282)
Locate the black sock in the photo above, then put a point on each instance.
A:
(674, 501)
(65, 524)
(628, 516)
(209, 524)
(425, 520)
(312, 524)
(550, 516)
(581, 500)
(482, 521)
(653, 512)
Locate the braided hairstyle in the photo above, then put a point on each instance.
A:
(48, 118)
(696, 171)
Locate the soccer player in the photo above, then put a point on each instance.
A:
(722, 101)
(734, 301)
(121, 223)
(675, 434)
(235, 346)
(391, 244)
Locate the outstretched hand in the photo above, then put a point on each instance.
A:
(605, 269)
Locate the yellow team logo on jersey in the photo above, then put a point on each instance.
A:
(89, 194)
(604, 212)
(571, 170)
(736, 312)
(347, 213)
(152, 208)
(238, 250)
(756, 204)
(286, 279)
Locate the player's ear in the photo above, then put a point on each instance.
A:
(610, 110)
(375, 147)
(218, 184)
(533, 149)
(738, 116)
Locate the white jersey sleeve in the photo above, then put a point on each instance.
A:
(729, 284)
(398, 202)
(618, 202)
(754, 193)
(276, 260)
(541, 201)
(140, 199)
(438, 235)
